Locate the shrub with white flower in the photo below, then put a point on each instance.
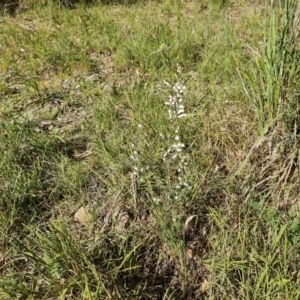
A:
(137, 166)
(175, 154)
(174, 158)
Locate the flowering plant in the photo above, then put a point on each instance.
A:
(174, 157)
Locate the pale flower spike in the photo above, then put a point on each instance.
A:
(175, 153)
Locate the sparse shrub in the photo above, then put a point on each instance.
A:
(174, 158)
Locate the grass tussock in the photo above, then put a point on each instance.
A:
(150, 150)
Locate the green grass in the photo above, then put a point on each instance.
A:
(105, 194)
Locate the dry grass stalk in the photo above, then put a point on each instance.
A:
(296, 25)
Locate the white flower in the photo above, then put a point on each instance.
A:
(182, 115)
(156, 200)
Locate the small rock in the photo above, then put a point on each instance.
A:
(83, 216)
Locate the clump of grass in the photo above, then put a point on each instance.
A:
(271, 81)
(271, 85)
(218, 3)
